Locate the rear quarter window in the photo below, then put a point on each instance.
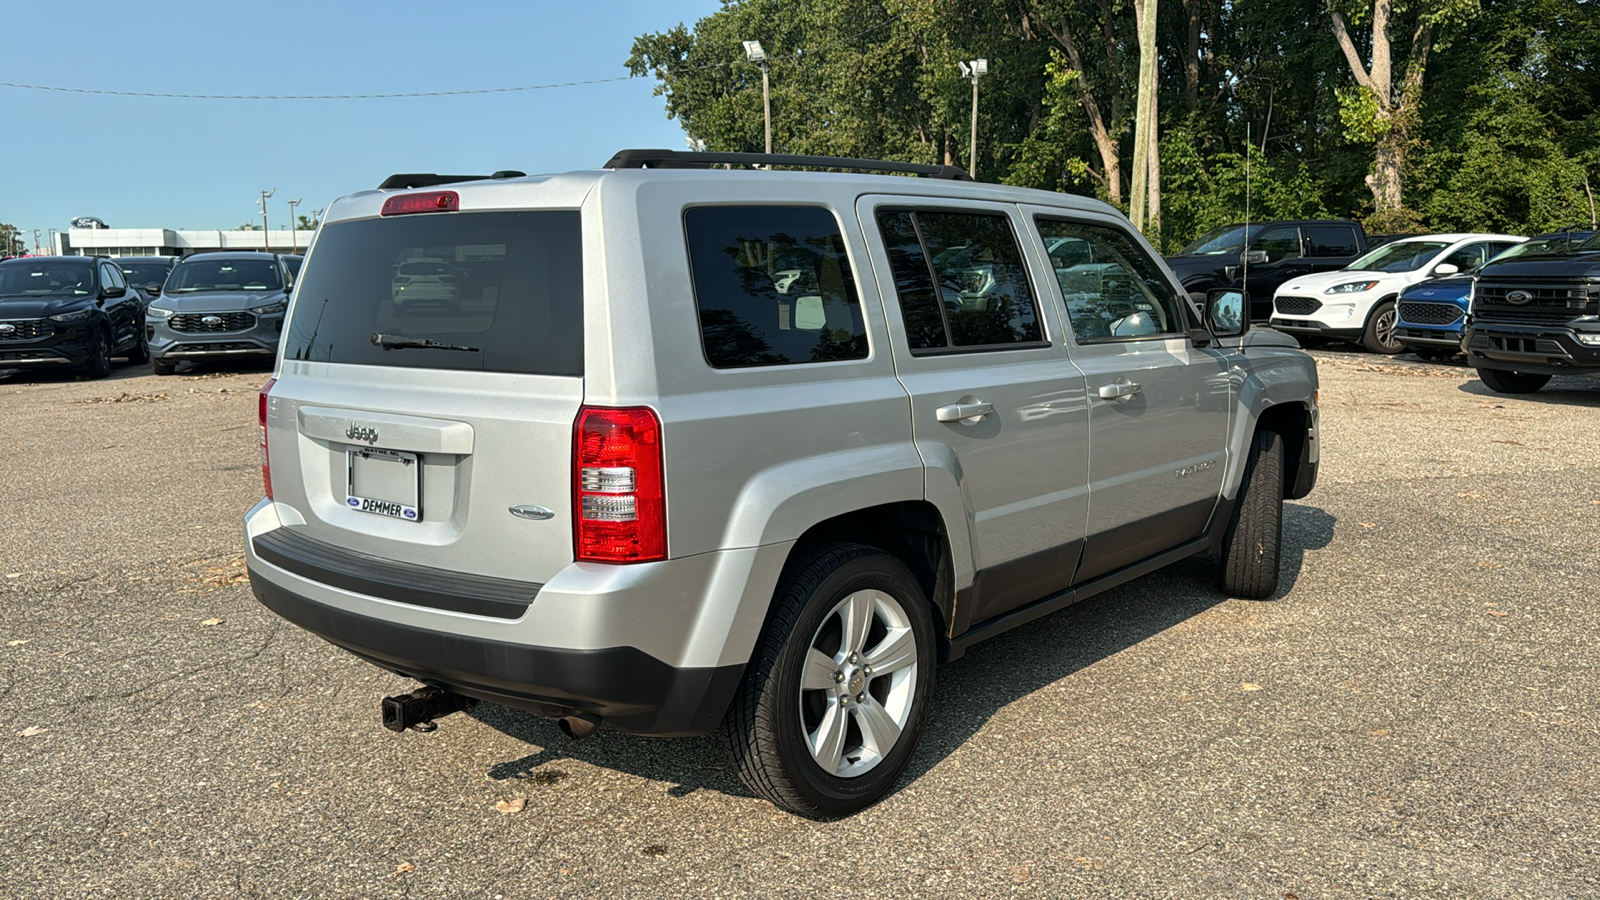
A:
(507, 286)
(772, 286)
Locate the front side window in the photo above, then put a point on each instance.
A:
(1278, 243)
(1112, 290)
(960, 280)
(773, 286)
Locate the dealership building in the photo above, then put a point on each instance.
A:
(169, 242)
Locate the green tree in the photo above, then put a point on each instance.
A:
(11, 243)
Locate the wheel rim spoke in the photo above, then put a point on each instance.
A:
(879, 731)
(857, 616)
(818, 672)
(827, 742)
(896, 651)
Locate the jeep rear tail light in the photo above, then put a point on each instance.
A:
(261, 416)
(429, 201)
(619, 509)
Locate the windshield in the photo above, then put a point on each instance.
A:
(1220, 241)
(1401, 256)
(51, 279)
(425, 268)
(224, 275)
(144, 274)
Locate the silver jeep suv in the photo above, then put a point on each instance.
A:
(695, 449)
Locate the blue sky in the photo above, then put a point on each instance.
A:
(139, 162)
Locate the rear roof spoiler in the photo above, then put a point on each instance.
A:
(425, 179)
(677, 159)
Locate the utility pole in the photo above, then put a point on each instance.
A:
(974, 70)
(294, 239)
(36, 242)
(266, 236)
(754, 53)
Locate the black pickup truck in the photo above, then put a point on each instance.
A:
(1536, 316)
(1264, 255)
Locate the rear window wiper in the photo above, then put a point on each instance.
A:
(399, 342)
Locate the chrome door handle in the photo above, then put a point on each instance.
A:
(957, 412)
(1119, 391)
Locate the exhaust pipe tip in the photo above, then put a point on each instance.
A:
(579, 725)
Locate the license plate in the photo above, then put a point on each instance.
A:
(385, 483)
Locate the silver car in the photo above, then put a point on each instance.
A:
(719, 450)
(218, 305)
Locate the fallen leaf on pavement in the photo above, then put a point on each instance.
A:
(32, 730)
(17, 643)
(1497, 613)
(1490, 565)
(1368, 524)
(507, 807)
(212, 622)
(1247, 686)
(1381, 732)
(1020, 874)
(404, 868)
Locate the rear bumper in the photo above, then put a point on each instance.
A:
(654, 648)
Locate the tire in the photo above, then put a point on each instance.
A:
(788, 704)
(139, 354)
(1379, 336)
(1251, 545)
(162, 367)
(1503, 382)
(99, 364)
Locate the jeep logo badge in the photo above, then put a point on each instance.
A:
(1519, 298)
(361, 433)
(210, 320)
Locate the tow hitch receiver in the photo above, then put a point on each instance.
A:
(418, 709)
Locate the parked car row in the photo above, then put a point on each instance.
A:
(77, 312)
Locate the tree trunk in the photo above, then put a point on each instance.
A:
(1091, 108)
(1155, 172)
(1395, 116)
(1143, 118)
(1191, 59)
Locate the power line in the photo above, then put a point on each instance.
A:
(797, 55)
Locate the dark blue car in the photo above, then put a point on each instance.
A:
(1433, 313)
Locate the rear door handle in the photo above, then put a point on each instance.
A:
(957, 412)
(1119, 391)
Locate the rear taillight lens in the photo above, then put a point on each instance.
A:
(261, 417)
(431, 201)
(619, 508)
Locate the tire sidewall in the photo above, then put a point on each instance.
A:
(831, 794)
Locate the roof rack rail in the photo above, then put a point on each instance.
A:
(426, 179)
(677, 159)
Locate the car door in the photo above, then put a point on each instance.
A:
(998, 410)
(119, 309)
(1159, 405)
(1279, 255)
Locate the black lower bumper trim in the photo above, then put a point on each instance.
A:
(628, 688)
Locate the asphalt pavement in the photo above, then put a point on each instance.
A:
(1413, 715)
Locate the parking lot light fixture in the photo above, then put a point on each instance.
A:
(973, 71)
(754, 53)
(294, 238)
(266, 238)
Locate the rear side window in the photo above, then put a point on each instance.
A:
(482, 291)
(960, 280)
(1332, 240)
(773, 286)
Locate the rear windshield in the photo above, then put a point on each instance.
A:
(485, 291)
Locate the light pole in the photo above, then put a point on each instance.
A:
(294, 239)
(974, 70)
(266, 239)
(754, 53)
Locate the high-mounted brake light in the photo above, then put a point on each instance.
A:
(261, 417)
(619, 510)
(429, 201)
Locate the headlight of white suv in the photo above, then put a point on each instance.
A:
(270, 308)
(1351, 287)
(156, 312)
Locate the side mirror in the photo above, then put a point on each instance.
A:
(1446, 269)
(1255, 257)
(1225, 313)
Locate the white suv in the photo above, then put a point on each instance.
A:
(1357, 303)
(750, 451)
